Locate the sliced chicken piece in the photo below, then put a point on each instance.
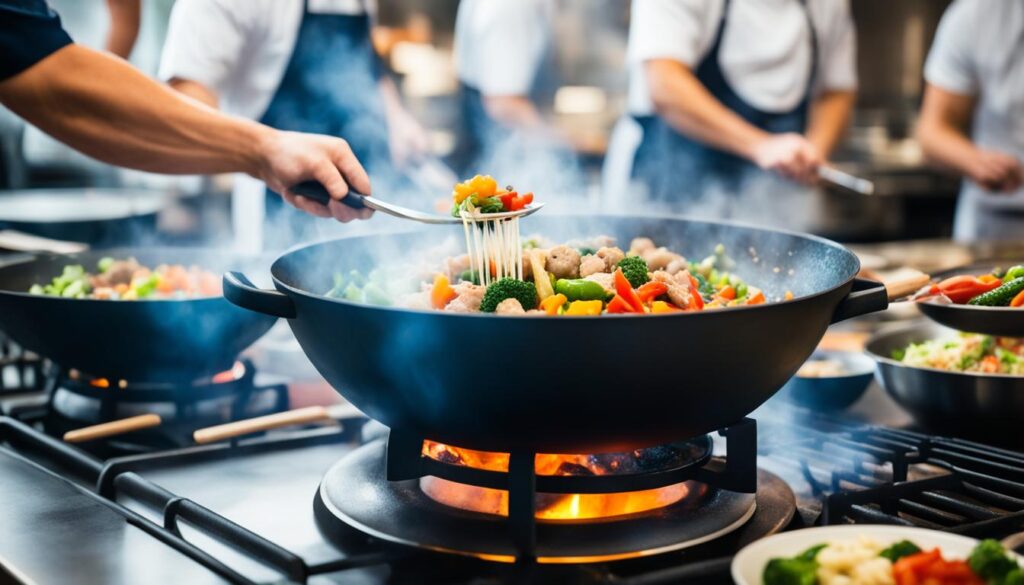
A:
(592, 264)
(563, 262)
(678, 290)
(509, 307)
(611, 256)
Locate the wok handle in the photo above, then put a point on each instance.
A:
(239, 290)
(866, 296)
(317, 192)
(310, 414)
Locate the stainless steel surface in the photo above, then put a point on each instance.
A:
(845, 180)
(37, 541)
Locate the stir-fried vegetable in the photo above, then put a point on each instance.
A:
(128, 280)
(579, 289)
(635, 270)
(995, 289)
(509, 288)
(902, 563)
(967, 352)
(799, 570)
(481, 193)
(900, 549)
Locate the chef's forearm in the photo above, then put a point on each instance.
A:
(103, 107)
(125, 16)
(686, 105)
(829, 117)
(941, 130)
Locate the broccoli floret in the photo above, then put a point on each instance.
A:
(635, 270)
(990, 562)
(897, 551)
(799, 570)
(509, 288)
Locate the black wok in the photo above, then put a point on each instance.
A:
(974, 405)
(1004, 321)
(146, 340)
(566, 385)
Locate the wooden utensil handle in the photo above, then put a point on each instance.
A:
(110, 429)
(905, 285)
(261, 423)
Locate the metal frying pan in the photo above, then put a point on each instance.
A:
(138, 341)
(1004, 321)
(92, 216)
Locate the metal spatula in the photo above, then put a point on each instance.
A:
(315, 191)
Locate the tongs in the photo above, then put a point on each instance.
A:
(315, 191)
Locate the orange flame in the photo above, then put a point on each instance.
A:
(548, 506)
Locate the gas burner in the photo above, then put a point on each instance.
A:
(553, 508)
(21, 371)
(80, 400)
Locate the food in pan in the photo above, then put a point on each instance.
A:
(996, 289)
(573, 279)
(127, 280)
(967, 352)
(867, 562)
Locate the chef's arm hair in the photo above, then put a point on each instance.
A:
(195, 90)
(942, 129)
(686, 105)
(105, 108)
(829, 118)
(124, 26)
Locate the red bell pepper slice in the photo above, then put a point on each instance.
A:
(696, 301)
(507, 199)
(619, 305)
(625, 290)
(651, 290)
(965, 287)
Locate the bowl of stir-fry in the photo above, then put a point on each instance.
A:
(875, 555)
(966, 384)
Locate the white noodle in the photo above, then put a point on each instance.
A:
(492, 241)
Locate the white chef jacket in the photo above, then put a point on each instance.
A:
(979, 51)
(240, 49)
(500, 45)
(765, 56)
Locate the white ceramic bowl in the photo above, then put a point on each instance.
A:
(749, 564)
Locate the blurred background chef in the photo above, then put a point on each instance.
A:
(302, 65)
(972, 118)
(720, 88)
(505, 59)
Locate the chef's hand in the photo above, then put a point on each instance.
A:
(790, 155)
(407, 140)
(996, 171)
(288, 158)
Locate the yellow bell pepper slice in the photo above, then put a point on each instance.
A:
(584, 308)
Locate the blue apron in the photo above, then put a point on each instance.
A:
(676, 168)
(330, 86)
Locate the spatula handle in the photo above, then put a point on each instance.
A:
(317, 192)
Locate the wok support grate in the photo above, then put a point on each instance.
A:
(738, 473)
